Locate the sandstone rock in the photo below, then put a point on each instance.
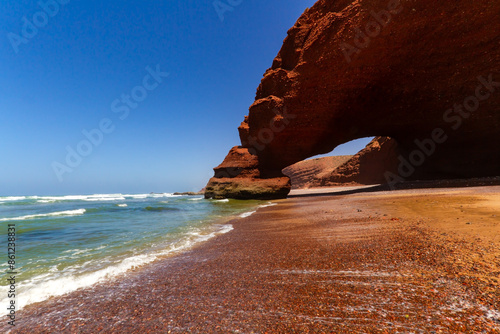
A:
(425, 73)
(190, 193)
(367, 167)
(238, 177)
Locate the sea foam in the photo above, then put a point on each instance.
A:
(42, 287)
(96, 198)
(12, 198)
(268, 204)
(247, 214)
(50, 214)
(225, 200)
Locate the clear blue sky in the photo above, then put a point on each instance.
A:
(62, 78)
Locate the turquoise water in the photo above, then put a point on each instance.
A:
(67, 242)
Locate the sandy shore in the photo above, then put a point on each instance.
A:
(409, 261)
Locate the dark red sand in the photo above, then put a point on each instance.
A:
(308, 265)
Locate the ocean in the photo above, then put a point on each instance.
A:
(63, 243)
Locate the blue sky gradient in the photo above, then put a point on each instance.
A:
(64, 78)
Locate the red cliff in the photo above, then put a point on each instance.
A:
(425, 73)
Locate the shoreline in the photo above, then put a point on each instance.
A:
(189, 238)
(374, 262)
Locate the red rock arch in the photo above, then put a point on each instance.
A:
(430, 70)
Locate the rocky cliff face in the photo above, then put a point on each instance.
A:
(309, 173)
(369, 166)
(239, 177)
(425, 73)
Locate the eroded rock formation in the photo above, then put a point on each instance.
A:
(368, 166)
(310, 173)
(425, 73)
(238, 177)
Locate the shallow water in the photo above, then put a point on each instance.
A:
(68, 242)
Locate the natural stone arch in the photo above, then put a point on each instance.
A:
(429, 78)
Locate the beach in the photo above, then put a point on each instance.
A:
(406, 261)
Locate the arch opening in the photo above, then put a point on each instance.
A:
(363, 161)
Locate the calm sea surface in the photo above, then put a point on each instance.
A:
(67, 242)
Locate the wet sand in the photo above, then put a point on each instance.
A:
(421, 261)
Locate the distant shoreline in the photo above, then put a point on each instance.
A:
(189, 193)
